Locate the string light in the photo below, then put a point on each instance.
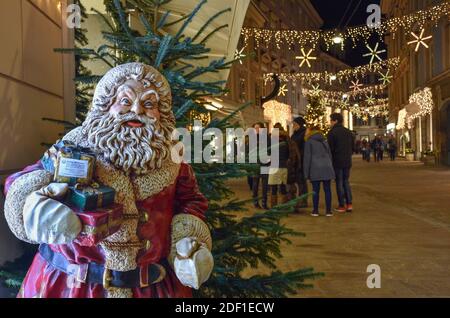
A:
(374, 90)
(374, 53)
(342, 76)
(420, 40)
(278, 112)
(424, 99)
(393, 26)
(306, 58)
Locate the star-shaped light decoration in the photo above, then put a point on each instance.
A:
(386, 78)
(370, 100)
(283, 90)
(420, 40)
(374, 53)
(316, 90)
(306, 58)
(239, 54)
(356, 87)
(345, 104)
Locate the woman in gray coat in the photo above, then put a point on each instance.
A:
(318, 167)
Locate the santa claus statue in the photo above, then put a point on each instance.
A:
(162, 248)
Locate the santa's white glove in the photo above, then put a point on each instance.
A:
(47, 220)
(193, 263)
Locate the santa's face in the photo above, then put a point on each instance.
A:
(140, 98)
(134, 133)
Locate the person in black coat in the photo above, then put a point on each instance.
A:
(341, 142)
(299, 138)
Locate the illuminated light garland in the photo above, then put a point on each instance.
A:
(369, 90)
(278, 112)
(380, 110)
(402, 114)
(420, 40)
(424, 99)
(343, 76)
(291, 38)
(306, 58)
(374, 53)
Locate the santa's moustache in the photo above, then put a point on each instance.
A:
(139, 149)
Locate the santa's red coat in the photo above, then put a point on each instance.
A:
(44, 281)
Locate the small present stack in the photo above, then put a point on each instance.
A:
(92, 202)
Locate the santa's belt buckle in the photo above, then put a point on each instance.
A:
(107, 278)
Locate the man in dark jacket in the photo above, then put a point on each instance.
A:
(341, 141)
(299, 138)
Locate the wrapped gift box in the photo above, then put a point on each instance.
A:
(99, 224)
(90, 197)
(69, 163)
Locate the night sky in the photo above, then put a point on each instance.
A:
(346, 13)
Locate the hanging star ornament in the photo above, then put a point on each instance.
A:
(370, 100)
(283, 90)
(306, 58)
(356, 87)
(420, 40)
(239, 55)
(374, 53)
(386, 78)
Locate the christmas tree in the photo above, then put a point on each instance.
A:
(240, 242)
(316, 112)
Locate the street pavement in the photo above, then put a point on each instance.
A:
(401, 222)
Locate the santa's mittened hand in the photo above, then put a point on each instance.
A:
(47, 220)
(194, 263)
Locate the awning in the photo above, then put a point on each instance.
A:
(222, 44)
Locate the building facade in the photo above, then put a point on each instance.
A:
(246, 82)
(418, 72)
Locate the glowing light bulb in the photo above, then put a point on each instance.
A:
(338, 39)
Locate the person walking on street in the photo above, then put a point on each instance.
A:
(392, 145)
(318, 167)
(341, 144)
(259, 178)
(278, 176)
(299, 138)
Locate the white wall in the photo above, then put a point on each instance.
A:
(33, 83)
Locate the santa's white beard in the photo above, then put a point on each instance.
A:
(137, 150)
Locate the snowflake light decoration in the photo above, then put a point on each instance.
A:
(370, 99)
(356, 87)
(306, 58)
(283, 90)
(374, 53)
(239, 54)
(386, 78)
(420, 40)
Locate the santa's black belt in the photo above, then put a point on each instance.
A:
(94, 273)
